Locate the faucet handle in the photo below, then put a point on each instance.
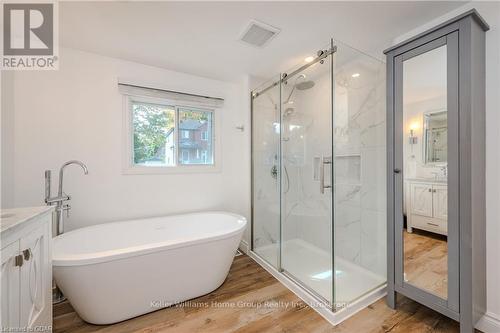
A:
(67, 207)
(62, 198)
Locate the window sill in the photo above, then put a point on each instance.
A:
(161, 170)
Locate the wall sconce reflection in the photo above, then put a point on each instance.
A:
(413, 140)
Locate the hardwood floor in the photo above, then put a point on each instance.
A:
(426, 261)
(233, 308)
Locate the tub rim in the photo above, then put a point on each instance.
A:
(140, 250)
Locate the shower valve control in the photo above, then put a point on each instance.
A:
(274, 172)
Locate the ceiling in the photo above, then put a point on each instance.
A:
(201, 38)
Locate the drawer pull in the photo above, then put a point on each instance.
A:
(433, 224)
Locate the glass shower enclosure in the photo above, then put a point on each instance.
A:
(318, 175)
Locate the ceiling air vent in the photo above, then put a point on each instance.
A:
(258, 33)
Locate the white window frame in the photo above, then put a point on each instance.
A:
(128, 165)
(204, 135)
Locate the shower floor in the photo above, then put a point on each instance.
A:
(312, 266)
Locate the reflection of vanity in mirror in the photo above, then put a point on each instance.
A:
(426, 191)
(436, 180)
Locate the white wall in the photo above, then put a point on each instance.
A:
(7, 140)
(491, 13)
(76, 113)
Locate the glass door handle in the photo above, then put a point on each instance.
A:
(324, 160)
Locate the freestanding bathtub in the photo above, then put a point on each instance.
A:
(115, 271)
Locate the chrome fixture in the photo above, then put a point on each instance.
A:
(57, 296)
(444, 170)
(304, 85)
(324, 160)
(61, 196)
(274, 172)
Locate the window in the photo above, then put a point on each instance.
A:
(170, 136)
(154, 127)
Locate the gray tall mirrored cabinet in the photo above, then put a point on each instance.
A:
(436, 169)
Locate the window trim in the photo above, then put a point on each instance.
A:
(128, 165)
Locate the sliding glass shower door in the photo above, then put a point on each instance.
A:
(306, 182)
(319, 175)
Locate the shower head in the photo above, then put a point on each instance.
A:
(288, 112)
(305, 85)
(300, 86)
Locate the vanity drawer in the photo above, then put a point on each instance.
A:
(430, 224)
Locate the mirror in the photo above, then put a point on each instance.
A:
(425, 203)
(435, 137)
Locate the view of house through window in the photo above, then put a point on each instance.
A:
(195, 148)
(156, 142)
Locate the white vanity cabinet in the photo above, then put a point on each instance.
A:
(427, 206)
(26, 271)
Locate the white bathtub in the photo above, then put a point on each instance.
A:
(115, 271)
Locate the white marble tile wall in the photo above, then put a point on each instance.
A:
(360, 212)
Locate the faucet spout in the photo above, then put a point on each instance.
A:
(61, 173)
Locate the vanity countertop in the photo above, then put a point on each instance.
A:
(427, 180)
(10, 218)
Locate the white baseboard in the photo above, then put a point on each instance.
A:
(489, 323)
(244, 246)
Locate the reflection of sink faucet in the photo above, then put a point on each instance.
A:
(444, 170)
(61, 196)
(442, 173)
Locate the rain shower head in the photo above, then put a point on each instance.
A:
(304, 85)
(288, 112)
